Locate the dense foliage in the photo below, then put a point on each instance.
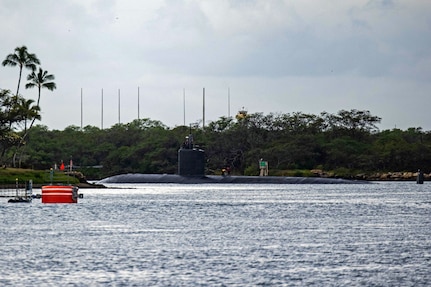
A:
(346, 140)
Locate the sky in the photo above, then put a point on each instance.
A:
(119, 60)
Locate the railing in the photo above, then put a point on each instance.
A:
(15, 190)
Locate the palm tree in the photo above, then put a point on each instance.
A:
(28, 111)
(23, 59)
(9, 109)
(4, 107)
(25, 111)
(40, 80)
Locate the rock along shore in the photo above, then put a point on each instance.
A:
(379, 176)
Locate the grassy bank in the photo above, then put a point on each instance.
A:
(11, 175)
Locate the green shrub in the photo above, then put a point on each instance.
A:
(11, 175)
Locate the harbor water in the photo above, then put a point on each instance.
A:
(222, 235)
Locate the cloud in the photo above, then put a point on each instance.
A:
(275, 55)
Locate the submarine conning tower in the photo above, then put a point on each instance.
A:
(191, 160)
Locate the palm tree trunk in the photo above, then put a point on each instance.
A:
(17, 91)
(2, 161)
(32, 121)
(21, 153)
(19, 80)
(38, 96)
(14, 157)
(19, 147)
(26, 131)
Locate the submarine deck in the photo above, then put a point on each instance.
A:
(216, 179)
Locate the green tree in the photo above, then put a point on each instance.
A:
(351, 123)
(23, 59)
(28, 111)
(410, 149)
(287, 141)
(24, 110)
(9, 117)
(40, 80)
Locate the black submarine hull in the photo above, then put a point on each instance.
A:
(216, 179)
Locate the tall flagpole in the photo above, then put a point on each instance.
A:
(119, 106)
(102, 111)
(228, 102)
(203, 109)
(184, 106)
(81, 110)
(138, 102)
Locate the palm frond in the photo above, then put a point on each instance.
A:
(49, 77)
(30, 85)
(50, 86)
(11, 60)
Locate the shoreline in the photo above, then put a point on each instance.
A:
(318, 175)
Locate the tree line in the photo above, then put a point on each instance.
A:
(347, 141)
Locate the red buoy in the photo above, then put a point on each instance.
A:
(59, 194)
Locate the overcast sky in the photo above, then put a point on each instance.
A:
(279, 56)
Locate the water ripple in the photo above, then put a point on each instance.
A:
(221, 235)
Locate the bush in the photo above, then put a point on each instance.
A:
(11, 175)
(251, 170)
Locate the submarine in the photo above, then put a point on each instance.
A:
(191, 170)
